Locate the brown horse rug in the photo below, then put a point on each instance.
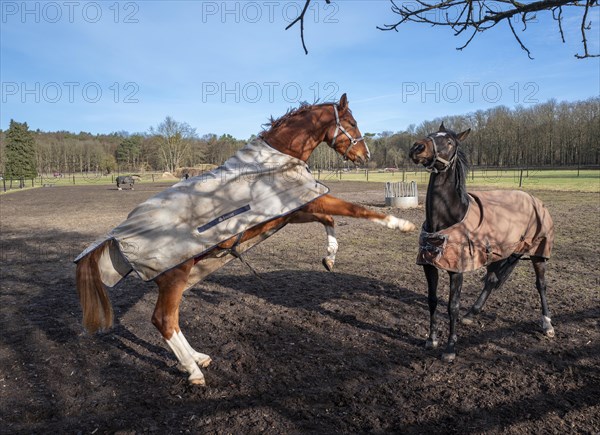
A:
(498, 224)
(254, 186)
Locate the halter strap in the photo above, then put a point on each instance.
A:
(436, 158)
(340, 127)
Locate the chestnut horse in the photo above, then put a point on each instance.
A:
(464, 231)
(296, 134)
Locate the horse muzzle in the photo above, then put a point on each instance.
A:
(361, 159)
(416, 154)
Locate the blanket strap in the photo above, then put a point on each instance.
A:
(234, 251)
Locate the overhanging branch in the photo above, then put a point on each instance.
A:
(300, 19)
(481, 15)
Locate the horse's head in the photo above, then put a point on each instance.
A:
(344, 136)
(437, 151)
(301, 130)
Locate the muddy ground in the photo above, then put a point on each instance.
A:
(302, 350)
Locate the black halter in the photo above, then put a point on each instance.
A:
(436, 158)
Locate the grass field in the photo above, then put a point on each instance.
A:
(562, 180)
(569, 180)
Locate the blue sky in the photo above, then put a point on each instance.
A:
(225, 67)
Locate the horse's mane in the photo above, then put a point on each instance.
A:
(462, 170)
(302, 108)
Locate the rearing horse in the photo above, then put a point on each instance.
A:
(144, 242)
(464, 231)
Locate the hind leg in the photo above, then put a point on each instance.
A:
(539, 266)
(467, 319)
(497, 274)
(171, 285)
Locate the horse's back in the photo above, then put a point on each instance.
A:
(519, 218)
(498, 224)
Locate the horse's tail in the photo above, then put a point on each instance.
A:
(499, 271)
(96, 306)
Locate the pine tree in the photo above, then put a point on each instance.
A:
(20, 152)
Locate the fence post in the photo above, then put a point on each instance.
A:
(73, 178)
(521, 178)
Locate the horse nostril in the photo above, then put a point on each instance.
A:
(416, 149)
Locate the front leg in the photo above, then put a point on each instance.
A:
(301, 217)
(456, 280)
(431, 274)
(331, 205)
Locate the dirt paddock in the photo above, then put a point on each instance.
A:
(302, 350)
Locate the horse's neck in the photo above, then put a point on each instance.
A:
(443, 205)
(298, 138)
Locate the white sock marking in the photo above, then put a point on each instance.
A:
(332, 244)
(200, 358)
(394, 223)
(185, 358)
(547, 326)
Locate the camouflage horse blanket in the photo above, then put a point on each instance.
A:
(185, 221)
(498, 224)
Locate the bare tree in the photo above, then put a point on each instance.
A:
(174, 142)
(476, 16)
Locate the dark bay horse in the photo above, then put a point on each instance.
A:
(125, 181)
(464, 231)
(295, 134)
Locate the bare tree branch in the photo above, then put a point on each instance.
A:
(477, 16)
(482, 15)
(558, 18)
(584, 27)
(517, 38)
(300, 19)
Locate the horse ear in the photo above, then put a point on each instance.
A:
(442, 128)
(462, 136)
(343, 104)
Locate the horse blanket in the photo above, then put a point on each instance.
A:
(498, 224)
(254, 186)
(125, 179)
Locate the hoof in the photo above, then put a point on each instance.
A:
(448, 357)
(431, 344)
(467, 320)
(328, 264)
(204, 362)
(197, 381)
(408, 227)
(394, 223)
(549, 332)
(547, 326)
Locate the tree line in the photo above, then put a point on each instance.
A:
(547, 134)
